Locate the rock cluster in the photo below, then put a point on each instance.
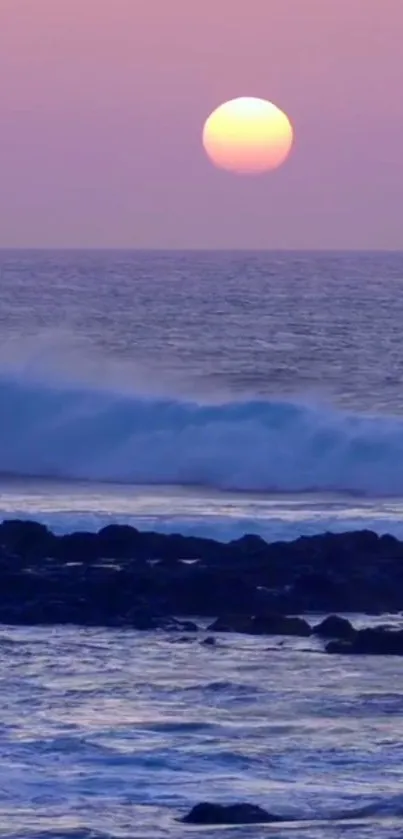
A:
(123, 577)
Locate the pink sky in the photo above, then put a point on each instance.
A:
(102, 105)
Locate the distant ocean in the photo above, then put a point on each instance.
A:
(207, 393)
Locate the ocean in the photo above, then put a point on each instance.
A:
(214, 394)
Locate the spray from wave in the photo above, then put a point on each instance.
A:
(51, 426)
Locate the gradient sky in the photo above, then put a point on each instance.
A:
(102, 105)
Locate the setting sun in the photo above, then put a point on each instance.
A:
(248, 136)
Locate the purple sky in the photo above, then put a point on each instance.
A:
(102, 105)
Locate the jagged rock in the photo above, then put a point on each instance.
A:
(231, 814)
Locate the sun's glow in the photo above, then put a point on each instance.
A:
(248, 136)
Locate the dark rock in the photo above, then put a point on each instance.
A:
(182, 626)
(210, 641)
(230, 623)
(262, 625)
(181, 639)
(280, 625)
(26, 538)
(204, 591)
(360, 541)
(375, 641)
(145, 621)
(249, 544)
(390, 545)
(231, 814)
(334, 627)
(118, 541)
(318, 590)
(124, 577)
(78, 546)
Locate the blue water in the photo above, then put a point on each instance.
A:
(211, 393)
(277, 374)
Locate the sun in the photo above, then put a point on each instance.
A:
(248, 136)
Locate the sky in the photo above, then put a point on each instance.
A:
(102, 106)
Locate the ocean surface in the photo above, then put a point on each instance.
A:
(213, 394)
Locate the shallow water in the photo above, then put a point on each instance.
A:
(122, 732)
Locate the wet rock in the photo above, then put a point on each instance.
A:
(175, 625)
(231, 814)
(230, 623)
(249, 545)
(146, 621)
(182, 639)
(77, 547)
(262, 625)
(207, 591)
(124, 577)
(375, 641)
(118, 541)
(334, 627)
(26, 539)
(318, 590)
(281, 625)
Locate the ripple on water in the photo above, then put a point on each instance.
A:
(89, 747)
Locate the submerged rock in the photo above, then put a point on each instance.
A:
(215, 814)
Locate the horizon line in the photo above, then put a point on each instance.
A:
(158, 249)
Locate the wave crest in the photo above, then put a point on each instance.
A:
(78, 432)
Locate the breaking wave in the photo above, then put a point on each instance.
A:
(54, 429)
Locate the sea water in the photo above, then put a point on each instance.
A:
(214, 394)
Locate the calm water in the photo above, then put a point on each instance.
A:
(206, 393)
(235, 324)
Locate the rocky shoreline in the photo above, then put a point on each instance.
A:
(126, 578)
